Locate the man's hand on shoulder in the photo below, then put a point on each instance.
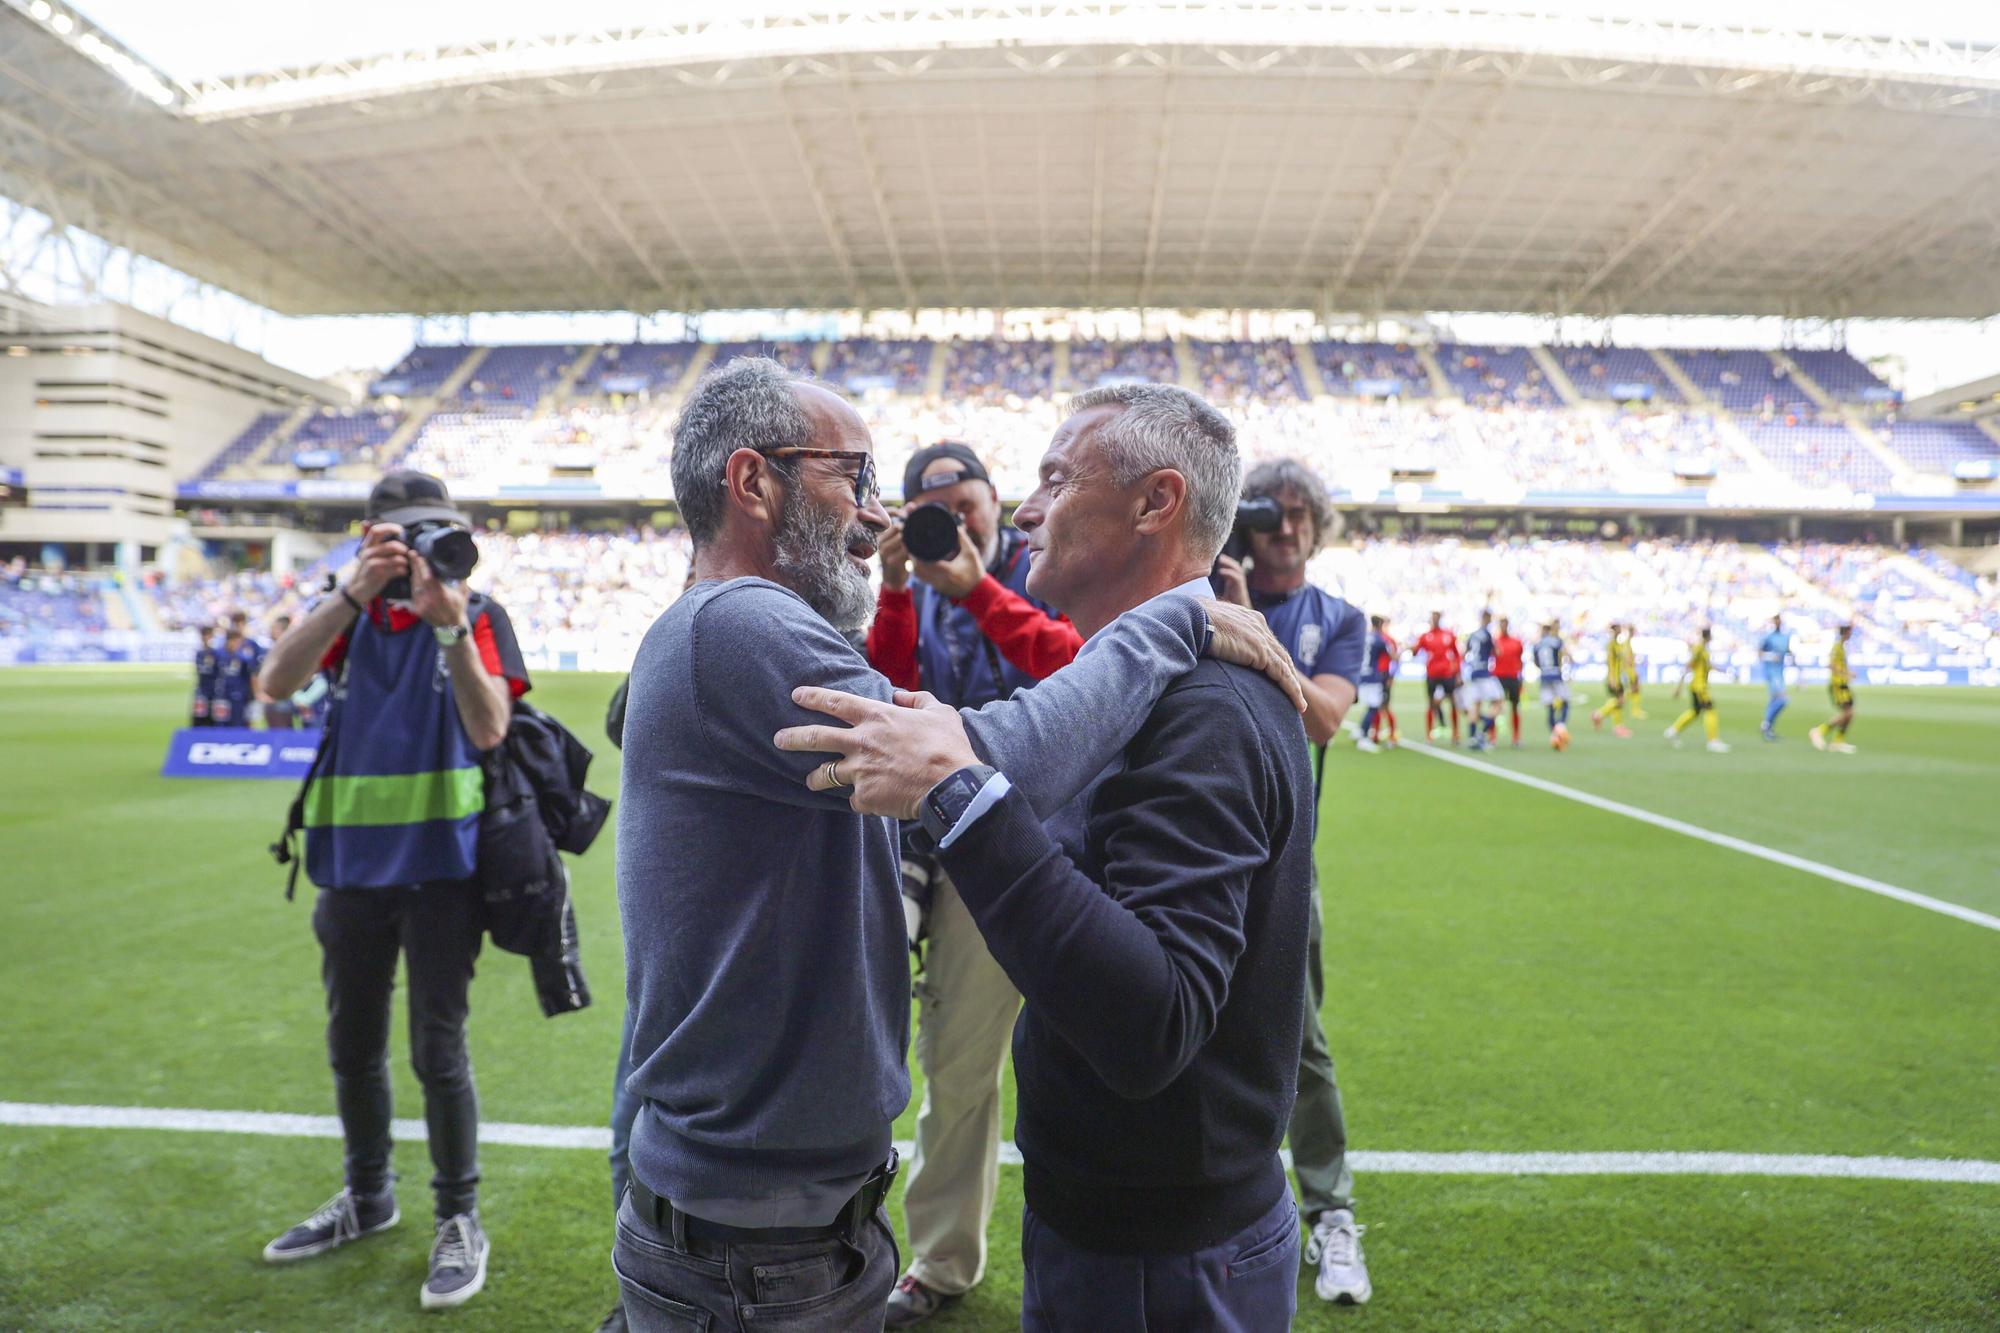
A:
(891, 755)
(1242, 637)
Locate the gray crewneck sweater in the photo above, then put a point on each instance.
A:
(766, 963)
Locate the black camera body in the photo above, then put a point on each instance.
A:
(1261, 514)
(446, 547)
(930, 531)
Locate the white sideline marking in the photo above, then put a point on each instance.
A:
(596, 1137)
(1672, 825)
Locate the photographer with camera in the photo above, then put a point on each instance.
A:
(425, 674)
(969, 634)
(1327, 637)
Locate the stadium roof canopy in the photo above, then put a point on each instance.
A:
(1333, 157)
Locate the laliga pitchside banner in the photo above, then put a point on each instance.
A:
(239, 752)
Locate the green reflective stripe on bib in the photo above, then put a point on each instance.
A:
(404, 798)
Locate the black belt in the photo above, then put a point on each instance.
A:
(662, 1214)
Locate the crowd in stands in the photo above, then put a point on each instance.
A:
(35, 603)
(1371, 370)
(586, 598)
(1229, 373)
(1496, 423)
(998, 369)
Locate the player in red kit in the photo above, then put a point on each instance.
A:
(1507, 670)
(1440, 649)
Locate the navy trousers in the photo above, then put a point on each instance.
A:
(1247, 1284)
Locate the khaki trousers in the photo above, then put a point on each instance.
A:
(966, 1011)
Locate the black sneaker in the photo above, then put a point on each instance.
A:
(615, 1321)
(346, 1216)
(458, 1262)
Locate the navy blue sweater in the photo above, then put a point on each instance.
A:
(1157, 1058)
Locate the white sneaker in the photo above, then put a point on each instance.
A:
(1366, 746)
(1818, 737)
(1335, 1247)
(1673, 738)
(1718, 747)
(1841, 747)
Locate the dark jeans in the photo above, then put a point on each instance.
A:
(822, 1286)
(1247, 1284)
(361, 931)
(624, 1110)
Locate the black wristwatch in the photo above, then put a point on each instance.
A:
(944, 803)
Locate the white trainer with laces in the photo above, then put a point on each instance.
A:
(1335, 1248)
(1718, 747)
(1841, 747)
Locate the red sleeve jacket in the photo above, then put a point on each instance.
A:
(1025, 635)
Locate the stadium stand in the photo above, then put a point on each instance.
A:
(591, 595)
(1230, 372)
(1371, 370)
(244, 447)
(1816, 451)
(1095, 361)
(868, 364)
(1496, 376)
(1842, 376)
(515, 377)
(348, 436)
(1742, 381)
(39, 604)
(630, 368)
(996, 368)
(1938, 446)
(1616, 374)
(421, 373)
(519, 420)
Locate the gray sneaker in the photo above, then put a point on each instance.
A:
(346, 1216)
(458, 1262)
(1334, 1248)
(912, 1302)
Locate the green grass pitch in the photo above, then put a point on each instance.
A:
(1508, 971)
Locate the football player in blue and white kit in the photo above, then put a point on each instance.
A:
(1552, 663)
(1481, 694)
(1773, 652)
(207, 663)
(237, 663)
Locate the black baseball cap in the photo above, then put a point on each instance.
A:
(408, 497)
(943, 464)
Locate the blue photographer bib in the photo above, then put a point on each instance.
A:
(397, 799)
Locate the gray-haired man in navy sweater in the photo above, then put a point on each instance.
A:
(767, 978)
(1156, 926)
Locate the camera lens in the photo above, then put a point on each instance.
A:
(931, 532)
(449, 551)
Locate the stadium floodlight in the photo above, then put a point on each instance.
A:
(41, 10)
(63, 24)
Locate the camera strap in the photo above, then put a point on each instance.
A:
(285, 851)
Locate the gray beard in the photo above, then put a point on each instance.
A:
(811, 560)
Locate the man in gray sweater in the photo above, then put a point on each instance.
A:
(765, 951)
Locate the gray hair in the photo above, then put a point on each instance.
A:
(1274, 478)
(747, 404)
(1165, 426)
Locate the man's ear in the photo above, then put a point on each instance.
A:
(753, 486)
(1162, 497)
